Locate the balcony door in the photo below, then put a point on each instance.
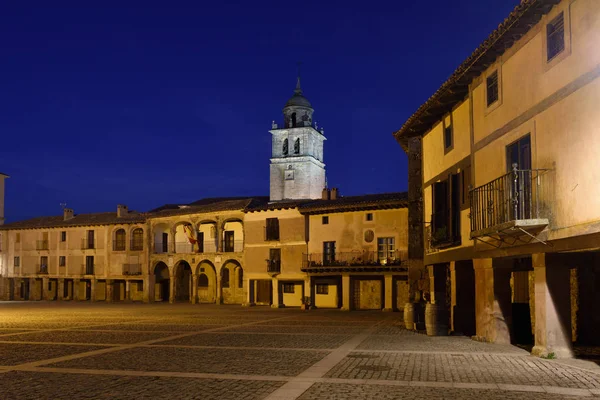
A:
(229, 241)
(519, 153)
(165, 242)
(328, 253)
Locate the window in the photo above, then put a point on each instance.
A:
(119, 243)
(63, 236)
(294, 122)
(297, 146)
(518, 154)
(17, 261)
(240, 278)
(272, 229)
(274, 262)
(62, 261)
(229, 242)
(285, 147)
(328, 253)
(289, 288)
(43, 264)
(322, 289)
(448, 137)
(369, 217)
(555, 36)
(386, 248)
(18, 238)
(325, 220)
(203, 281)
(225, 277)
(492, 88)
(465, 186)
(137, 239)
(89, 241)
(445, 221)
(89, 265)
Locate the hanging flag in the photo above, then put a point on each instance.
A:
(190, 234)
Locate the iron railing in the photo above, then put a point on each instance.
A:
(184, 247)
(161, 247)
(132, 269)
(88, 244)
(235, 247)
(274, 266)
(355, 258)
(41, 245)
(511, 197)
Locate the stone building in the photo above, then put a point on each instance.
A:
(252, 251)
(503, 190)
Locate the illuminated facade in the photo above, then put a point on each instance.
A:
(505, 162)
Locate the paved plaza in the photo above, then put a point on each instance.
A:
(98, 350)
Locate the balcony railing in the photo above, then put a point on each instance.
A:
(88, 269)
(184, 247)
(41, 245)
(236, 246)
(88, 244)
(274, 266)
(355, 259)
(512, 197)
(132, 269)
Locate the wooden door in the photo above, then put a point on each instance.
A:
(228, 241)
(264, 291)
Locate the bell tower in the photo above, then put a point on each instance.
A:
(297, 168)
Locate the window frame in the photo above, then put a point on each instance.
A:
(369, 217)
(552, 35)
(119, 244)
(448, 127)
(288, 288)
(386, 248)
(17, 261)
(63, 236)
(62, 261)
(325, 220)
(495, 86)
(272, 229)
(550, 18)
(322, 288)
(137, 239)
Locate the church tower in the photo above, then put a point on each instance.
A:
(297, 168)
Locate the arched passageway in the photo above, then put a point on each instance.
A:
(162, 282)
(232, 283)
(183, 282)
(207, 283)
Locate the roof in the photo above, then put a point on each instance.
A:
(263, 204)
(5, 175)
(523, 17)
(298, 99)
(58, 221)
(357, 203)
(225, 205)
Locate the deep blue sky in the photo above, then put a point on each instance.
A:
(168, 102)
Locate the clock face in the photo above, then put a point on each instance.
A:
(289, 175)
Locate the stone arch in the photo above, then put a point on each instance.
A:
(183, 281)
(206, 293)
(233, 294)
(207, 236)
(182, 242)
(162, 282)
(162, 234)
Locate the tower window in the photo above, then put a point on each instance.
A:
(297, 146)
(293, 120)
(285, 147)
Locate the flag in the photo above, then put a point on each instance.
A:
(190, 234)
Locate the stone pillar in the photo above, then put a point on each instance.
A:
(276, 293)
(109, 291)
(148, 296)
(552, 305)
(462, 297)
(127, 290)
(219, 235)
(493, 300)
(76, 284)
(93, 289)
(60, 291)
(389, 293)
(250, 293)
(194, 298)
(45, 291)
(172, 288)
(346, 306)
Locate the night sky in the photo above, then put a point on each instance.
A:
(169, 102)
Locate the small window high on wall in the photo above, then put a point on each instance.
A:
(555, 36)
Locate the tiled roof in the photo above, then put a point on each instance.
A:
(215, 206)
(78, 220)
(356, 203)
(263, 204)
(523, 17)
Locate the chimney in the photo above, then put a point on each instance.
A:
(68, 213)
(334, 193)
(121, 210)
(325, 194)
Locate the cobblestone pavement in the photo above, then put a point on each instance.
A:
(98, 350)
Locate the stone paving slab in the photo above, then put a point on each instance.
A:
(465, 368)
(101, 337)
(316, 323)
(151, 327)
(333, 391)
(16, 353)
(261, 340)
(409, 340)
(223, 361)
(295, 329)
(34, 385)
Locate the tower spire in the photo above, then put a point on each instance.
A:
(298, 89)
